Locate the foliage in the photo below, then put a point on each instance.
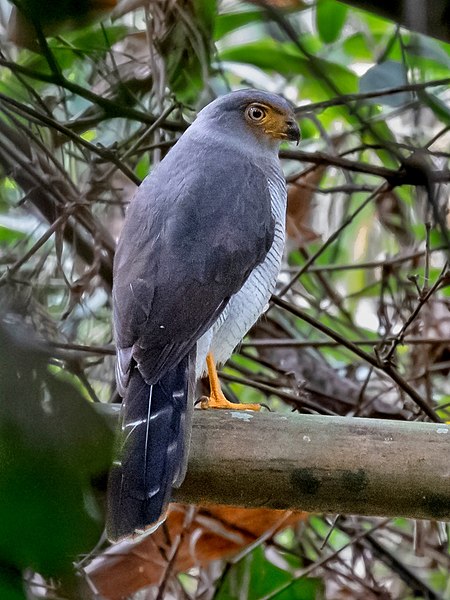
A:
(53, 445)
(86, 109)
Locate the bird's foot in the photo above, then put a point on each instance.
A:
(216, 398)
(219, 401)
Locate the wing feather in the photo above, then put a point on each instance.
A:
(197, 227)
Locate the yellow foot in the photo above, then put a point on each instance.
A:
(217, 398)
(219, 401)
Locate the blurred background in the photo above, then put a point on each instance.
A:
(92, 95)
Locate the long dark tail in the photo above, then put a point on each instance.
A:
(152, 450)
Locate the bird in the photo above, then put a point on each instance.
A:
(195, 265)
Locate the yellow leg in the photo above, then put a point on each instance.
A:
(216, 398)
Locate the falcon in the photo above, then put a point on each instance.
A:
(196, 263)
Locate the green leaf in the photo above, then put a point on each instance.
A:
(254, 577)
(231, 21)
(8, 235)
(143, 166)
(375, 24)
(11, 584)
(66, 51)
(52, 445)
(302, 589)
(357, 48)
(269, 55)
(205, 15)
(187, 54)
(285, 58)
(308, 129)
(90, 39)
(384, 76)
(330, 19)
(429, 58)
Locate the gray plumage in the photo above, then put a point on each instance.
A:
(195, 265)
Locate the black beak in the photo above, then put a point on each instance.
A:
(293, 131)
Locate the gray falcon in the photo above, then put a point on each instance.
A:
(196, 263)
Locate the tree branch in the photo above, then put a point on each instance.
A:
(318, 464)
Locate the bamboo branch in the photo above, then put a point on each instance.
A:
(319, 464)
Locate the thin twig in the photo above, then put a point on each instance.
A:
(293, 343)
(423, 299)
(34, 248)
(344, 99)
(268, 389)
(383, 366)
(319, 563)
(380, 189)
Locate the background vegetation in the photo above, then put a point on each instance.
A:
(92, 95)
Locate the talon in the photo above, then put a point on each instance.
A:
(217, 398)
(221, 402)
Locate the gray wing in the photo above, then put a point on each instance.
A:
(197, 227)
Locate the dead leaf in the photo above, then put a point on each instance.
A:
(299, 206)
(214, 532)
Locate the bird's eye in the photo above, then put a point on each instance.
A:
(256, 113)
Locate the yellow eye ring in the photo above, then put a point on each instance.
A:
(256, 113)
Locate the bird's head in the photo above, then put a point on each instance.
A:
(267, 118)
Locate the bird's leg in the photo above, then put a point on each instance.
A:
(217, 398)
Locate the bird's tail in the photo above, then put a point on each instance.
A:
(152, 450)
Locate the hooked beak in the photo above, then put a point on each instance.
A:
(292, 131)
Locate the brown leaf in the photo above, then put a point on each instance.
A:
(214, 532)
(299, 206)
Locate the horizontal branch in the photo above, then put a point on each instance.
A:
(408, 174)
(295, 343)
(109, 349)
(345, 98)
(319, 464)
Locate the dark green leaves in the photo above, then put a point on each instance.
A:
(186, 49)
(286, 59)
(52, 446)
(330, 19)
(255, 578)
(228, 22)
